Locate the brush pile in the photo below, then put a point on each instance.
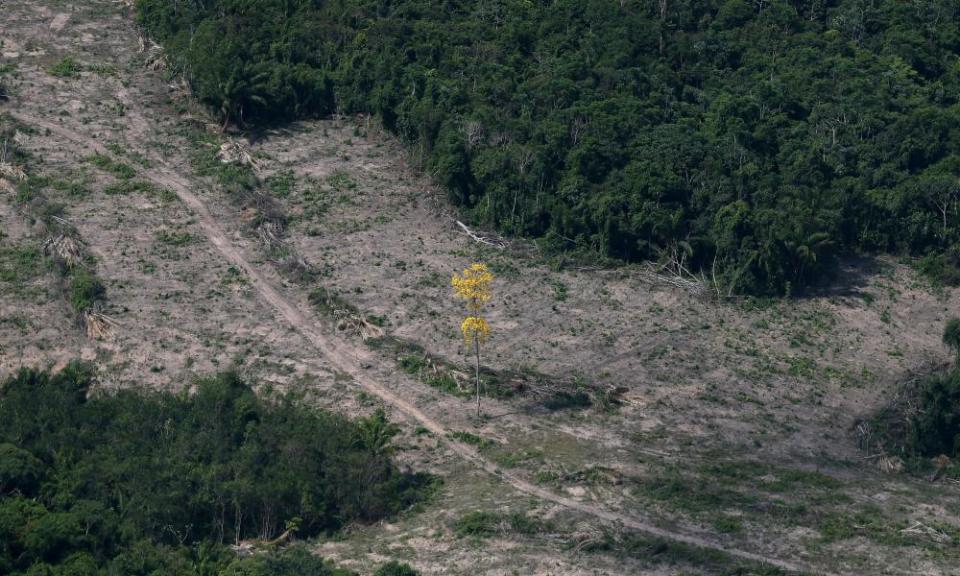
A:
(12, 171)
(350, 322)
(235, 152)
(98, 325)
(64, 249)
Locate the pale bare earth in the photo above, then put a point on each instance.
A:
(737, 428)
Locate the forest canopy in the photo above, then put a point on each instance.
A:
(753, 141)
(141, 483)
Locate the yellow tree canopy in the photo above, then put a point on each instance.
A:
(473, 286)
(475, 327)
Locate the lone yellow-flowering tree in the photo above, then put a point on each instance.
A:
(473, 286)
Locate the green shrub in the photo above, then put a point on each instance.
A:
(485, 524)
(85, 290)
(115, 167)
(942, 268)
(328, 302)
(951, 337)
(922, 421)
(236, 179)
(66, 68)
(568, 400)
(294, 561)
(936, 426)
(394, 568)
(479, 523)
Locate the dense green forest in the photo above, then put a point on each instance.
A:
(751, 140)
(139, 483)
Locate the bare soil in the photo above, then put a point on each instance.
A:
(737, 430)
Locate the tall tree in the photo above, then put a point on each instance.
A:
(473, 287)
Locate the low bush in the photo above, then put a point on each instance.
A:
(396, 569)
(85, 291)
(66, 68)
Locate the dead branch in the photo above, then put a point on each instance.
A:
(659, 275)
(920, 529)
(890, 464)
(66, 249)
(488, 240)
(235, 152)
(586, 537)
(12, 171)
(98, 325)
(347, 321)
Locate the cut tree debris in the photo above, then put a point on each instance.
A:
(65, 249)
(920, 529)
(347, 321)
(494, 241)
(234, 152)
(12, 171)
(98, 324)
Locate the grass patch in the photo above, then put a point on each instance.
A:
(328, 301)
(341, 181)
(472, 439)
(75, 188)
(281, 184)
(480, 524)
(115, 167)
(518, 457)
(20, 263)
(127, 187)
(66, 68)
(180, 238)
(658, 551)
(869, 523)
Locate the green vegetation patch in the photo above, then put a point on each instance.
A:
(695, 134)
(922, 421)
(66, 68)
(175, 238)
(126, 187)
(657, 551)
(140, 483)
(20, 263)
(85, 290)
(395, 568)
(115, 167)
(481, 524)
(472, 439)
(327, 301)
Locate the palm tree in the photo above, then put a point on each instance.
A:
(375, 432)
(238, 88)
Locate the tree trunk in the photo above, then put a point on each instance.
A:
(476, 348)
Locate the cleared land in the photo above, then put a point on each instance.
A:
(737, 429)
